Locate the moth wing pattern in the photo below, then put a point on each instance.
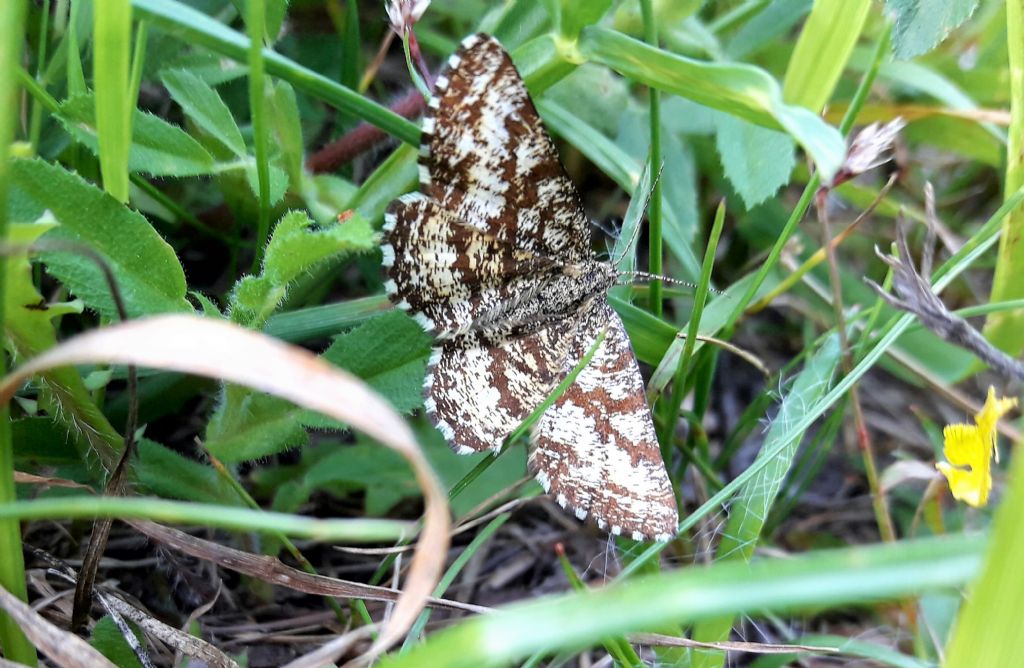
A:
(481, 386)
(449, 275)
(595, 449)
(486, 156)
(494, 260)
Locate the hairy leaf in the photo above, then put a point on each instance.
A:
(145, 267)
(296, 246)
(157, 147)
(205, 107)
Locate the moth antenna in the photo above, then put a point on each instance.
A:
(658, 277)
(636, 230)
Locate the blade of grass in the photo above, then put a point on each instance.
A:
(255, 19)
(224, 517)
(699, 299)
(43, 40)
(579, 619)
(111, 60)
(825, 43)
(654, 261)
(618, 648)
(12, 566)
(1003, 329)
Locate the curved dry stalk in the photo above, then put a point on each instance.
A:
(63, 648)
(217, 349)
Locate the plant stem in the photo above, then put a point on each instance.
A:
(15, 645)
(255, 19)
(654, 216)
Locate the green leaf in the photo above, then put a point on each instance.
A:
(168, 474)
(27, 316)
(577, 15)
(284, 113)
(250, 425)
(278, 182)
(741, 90)
(157, 147)
(757, 161)
(382, 473)
(825, 44)
(579, 619)
(295, 247)
(922, 24)
(203, 105)
(107, 638)
(390, 353)
(39, 441)
(114, 106)
(146, 269)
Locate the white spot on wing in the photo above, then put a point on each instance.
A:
(425, 322)
(387, 255)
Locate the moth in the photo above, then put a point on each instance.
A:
(493, 258)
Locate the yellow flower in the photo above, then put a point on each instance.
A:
(970, 448)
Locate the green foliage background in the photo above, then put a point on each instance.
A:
(156, 132)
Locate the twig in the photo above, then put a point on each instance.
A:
(914, 295)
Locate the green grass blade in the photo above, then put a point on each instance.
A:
(748, 513)
(111, 60)
(739, 89)
(654, 261)
(1003, 329)
(209, 515)
(255, 23)
(197, 29)
(990, 627)
(12, 566)
(316, 322)
(826, 41)
(453, 572)
(824, 578)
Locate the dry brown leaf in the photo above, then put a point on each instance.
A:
(217, 349)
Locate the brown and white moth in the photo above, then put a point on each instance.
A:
(493, 258)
